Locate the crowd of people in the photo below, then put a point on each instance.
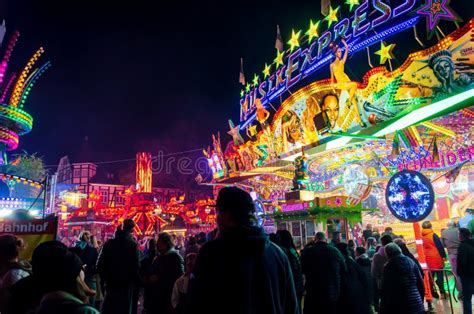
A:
(237, 268)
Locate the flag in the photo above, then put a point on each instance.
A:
(3, 30)
(452, 174)
(325, 7)
(242, 75)
(279, 40)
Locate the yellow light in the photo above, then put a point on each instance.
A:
(279, 58)
(294, 40)
(332, 16)
(312, 32)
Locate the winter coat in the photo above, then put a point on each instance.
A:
(355, 289)
(119, 262)
(365, 265)
(451, 240)
(434, 250)
(295, 265)
(378, 262)
(466, 259)
(242, 272)
(167, 268)
(403, 288)
(60, 302)
(324, 267)
(88, 255)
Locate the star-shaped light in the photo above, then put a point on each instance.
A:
(436, 10)
(255, 80)
(312, 31)
(247, 87)
(332, 16)
(234, 132)
(266, 71)
(385, 52)
(294, 40)
(242, 93)
(352, 3)
(279, 58)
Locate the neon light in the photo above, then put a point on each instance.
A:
(8, 53)
(312, 31)
(7, 87)
(294, 40)
(385, 9)
(144, 172)
(32, 82)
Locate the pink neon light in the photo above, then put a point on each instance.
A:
(8, 53)
(7, 87)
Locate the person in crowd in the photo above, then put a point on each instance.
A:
(88, 255)
(389, 231)
(370, 247)
(146, 271)
(336, 238)
(406, 252)
(63, 280)
(376, 235)
(364, 262)
(465, 269)
(25, 295)
(450, 239)
(167, 268)
(274, 238)
(118, 267)
(356, 287)
(351, 246)
(378, 263)
(192, 246)
(288, 246)
(99, 294)
(402, 288)
(180, 247)
(11, 268)
(241, 271)
(325, 269)
(435, 256)
(367, 233)
(201, 238)
(180, 289)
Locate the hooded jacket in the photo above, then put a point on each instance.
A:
(88, 255)
(378, 263)
(242, 272)
(466, 259)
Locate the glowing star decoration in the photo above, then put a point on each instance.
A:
(234, 132)
(436, 10)
(279, 58)
(332, 16)
(352, 3)
(255, 80)
(294, 40)
(247, 87)
(266, 71)
(242, 93)
(312, 31)
(385, 52)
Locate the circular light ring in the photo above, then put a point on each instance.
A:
(409, 196)
(15, 119)
(9, 138)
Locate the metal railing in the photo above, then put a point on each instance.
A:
(451, 294)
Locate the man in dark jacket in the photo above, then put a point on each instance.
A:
(167, 267)
(466, 267)
(118, 268)
(324, 269)
(363, 260)
(241, 271)
(88, 255)
(402, 288)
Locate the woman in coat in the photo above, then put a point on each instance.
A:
(435, 256)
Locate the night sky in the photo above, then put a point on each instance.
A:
(142, 75)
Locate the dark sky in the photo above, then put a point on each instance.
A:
(131, 75)
(134, 75)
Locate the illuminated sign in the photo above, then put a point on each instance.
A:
(302, 62)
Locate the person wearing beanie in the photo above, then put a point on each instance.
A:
(118, 267)
(402, 288)
(240, 271)
(62, 277)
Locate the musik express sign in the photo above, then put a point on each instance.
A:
(377, 15)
